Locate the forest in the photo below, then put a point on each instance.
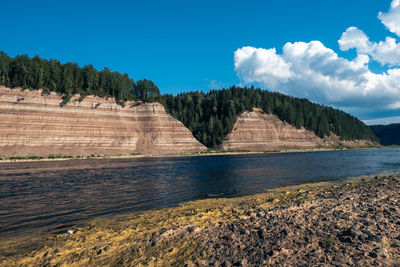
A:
(69, 79)
(210, 116)
(388, 134)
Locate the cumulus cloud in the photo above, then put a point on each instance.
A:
(262, 65)
(391, 19)
(384, 52)
(314, 71)
(318, 73)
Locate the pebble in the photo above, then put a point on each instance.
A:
(375, 238)
(261, 233)
(382, 252)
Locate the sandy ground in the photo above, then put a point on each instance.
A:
(353, 222)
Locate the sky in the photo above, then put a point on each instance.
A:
(342, 53)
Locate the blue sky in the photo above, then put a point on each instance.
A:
(190, 45)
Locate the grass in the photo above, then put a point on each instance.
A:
(206, 152)
(216, 151)
(59, 156)
(211, 151)
(344, 147)
(329, 240)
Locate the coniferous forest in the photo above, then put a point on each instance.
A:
(69, 79)
(388, 134)
(210, 116)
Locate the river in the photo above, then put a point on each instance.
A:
(46, 196)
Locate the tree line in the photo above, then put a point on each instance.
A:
(388, 134)
(69, 79)
(210, 116)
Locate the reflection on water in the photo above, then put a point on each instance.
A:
(45, 195)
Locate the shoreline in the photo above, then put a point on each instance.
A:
(179, 235)
(194, 154)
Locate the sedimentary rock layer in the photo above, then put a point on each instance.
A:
(34, 123)
(257, 131)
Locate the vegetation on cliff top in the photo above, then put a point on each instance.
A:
(209, 116)
(69, 79)
(388, 134)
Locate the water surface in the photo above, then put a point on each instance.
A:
(44, 196)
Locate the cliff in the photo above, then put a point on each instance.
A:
(261, 132)
(34, 123)
(257, 131)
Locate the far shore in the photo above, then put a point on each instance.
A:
(209, 152)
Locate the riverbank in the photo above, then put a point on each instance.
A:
(353, 221)
(209, 152)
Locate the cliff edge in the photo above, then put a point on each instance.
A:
(37, 123)
(257, 131)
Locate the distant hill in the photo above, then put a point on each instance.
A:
(388, 134)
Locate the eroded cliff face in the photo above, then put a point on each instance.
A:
(256, 131)
(261, 132)
(33, 123)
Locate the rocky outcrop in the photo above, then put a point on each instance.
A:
(261, 132)
(36, 123)
(257, 131)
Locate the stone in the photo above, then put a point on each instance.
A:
(261, 214)
(257, 131)
(284, 232)
(382, 252)
(38, 126)
(260, 132)
(244, 232)
(376, 238)
(261, 233)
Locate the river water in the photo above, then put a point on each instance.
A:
(44, 196)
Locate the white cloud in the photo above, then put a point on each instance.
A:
(314, 71)
(391, 19)
(384, 52)
(318, 73)
(263, 65)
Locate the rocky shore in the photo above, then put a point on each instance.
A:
(356, 222)
(358, 225)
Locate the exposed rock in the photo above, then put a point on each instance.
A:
(32, 123)
(296, 236)
(257, 131)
